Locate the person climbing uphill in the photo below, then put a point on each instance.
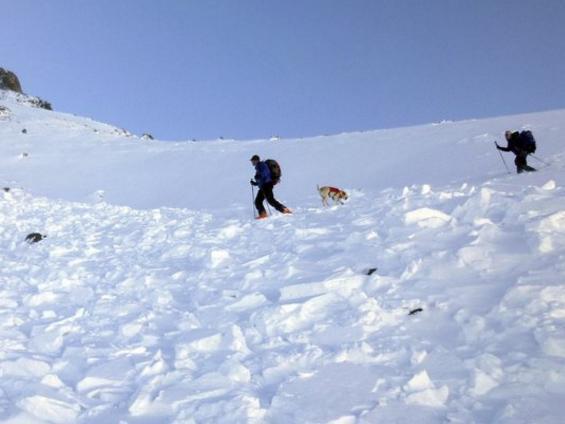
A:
(265, 180)
(521, 144)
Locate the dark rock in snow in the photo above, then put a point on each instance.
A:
(370, 271)
(40, 103)
(34, 237)
(4, 111)
(9, 81)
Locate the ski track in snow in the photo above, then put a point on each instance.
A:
(176, 315)
(193, 316)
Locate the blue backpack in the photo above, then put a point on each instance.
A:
(527, 142)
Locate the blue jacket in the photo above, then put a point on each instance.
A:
(263, 174)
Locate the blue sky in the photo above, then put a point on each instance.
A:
(256, 68)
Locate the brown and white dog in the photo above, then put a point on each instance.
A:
(337, 195)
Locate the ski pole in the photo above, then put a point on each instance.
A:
(535, 157)
(269, 208)
(502, 157)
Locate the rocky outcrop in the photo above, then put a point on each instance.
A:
(9, 81)
(38, 102)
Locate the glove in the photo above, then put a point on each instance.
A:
(253, 183)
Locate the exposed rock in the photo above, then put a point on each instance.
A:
(370, 271)
(35, 237)
(9, 81)
(4, 111)
(122, 132)
(43, 104)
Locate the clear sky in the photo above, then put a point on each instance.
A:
(183, 69)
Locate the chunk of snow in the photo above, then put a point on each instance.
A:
(50, 409)
(420, 381)
(482, 383)
(427, 218)
(433, 398)
(549, 185)
(219, 257)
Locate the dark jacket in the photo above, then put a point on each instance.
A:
(513, 144)
(262, 174)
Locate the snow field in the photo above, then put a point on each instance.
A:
(170, 315)
(178, 307)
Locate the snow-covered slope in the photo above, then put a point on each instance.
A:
(72, 158)
(156, 298)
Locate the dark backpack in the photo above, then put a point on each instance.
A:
(527, 142)
(275, 170)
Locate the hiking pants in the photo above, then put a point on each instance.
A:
(266, 192)
(522, 164)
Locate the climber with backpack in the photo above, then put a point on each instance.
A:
(267, 174)
(521, 144)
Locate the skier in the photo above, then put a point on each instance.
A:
(265, 183)
(515, 146)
